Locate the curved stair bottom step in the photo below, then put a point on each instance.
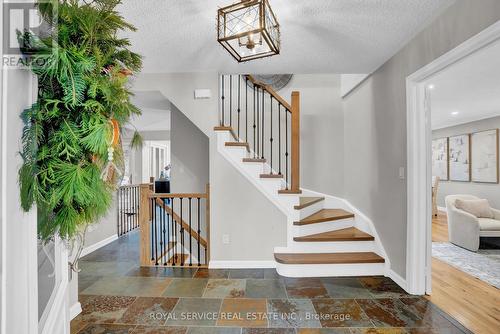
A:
(330, 270)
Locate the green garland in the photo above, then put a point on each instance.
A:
(82, 87)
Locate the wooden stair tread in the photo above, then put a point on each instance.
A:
(328, 258)
(271, 176)
(346, 234)
(325, 215)
(238, 144)
(254, 160)
(304, 202)
(289, 192)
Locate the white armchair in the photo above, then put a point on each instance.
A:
(464, 229)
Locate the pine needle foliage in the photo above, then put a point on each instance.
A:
(82, 69)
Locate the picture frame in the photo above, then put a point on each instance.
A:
(440, 154)
(484, 156)
(459, 157)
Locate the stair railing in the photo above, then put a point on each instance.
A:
(257, 115)
(128, 208)
(174, 228)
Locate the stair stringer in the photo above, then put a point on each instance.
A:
(286, 202)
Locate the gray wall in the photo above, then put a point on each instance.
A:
(375, 123)
(483, 190)
(322, 131)
(189, 152)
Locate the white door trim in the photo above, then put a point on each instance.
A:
(419, 213)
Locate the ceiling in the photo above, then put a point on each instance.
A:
(467, 91)
(320, 36)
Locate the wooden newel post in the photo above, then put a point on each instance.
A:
(144, 225)
(295, 137)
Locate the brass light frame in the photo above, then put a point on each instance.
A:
(267, 29)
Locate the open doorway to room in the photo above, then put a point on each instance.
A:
(453, 187)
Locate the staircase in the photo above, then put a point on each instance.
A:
(326, 236)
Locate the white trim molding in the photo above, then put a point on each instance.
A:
(97, 245)
(75, 310)
(418, 260)
(241, 264)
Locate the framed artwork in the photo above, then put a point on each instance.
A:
(440, 158)
(460, 166)
(485, 156)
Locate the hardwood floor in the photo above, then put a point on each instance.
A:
(474, 303)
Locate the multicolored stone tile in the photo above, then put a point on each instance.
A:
(107, 329)
(345, 288)
(268, 331)
(128, 286)
(100, 309)
(106, 268)
(389, 312)
(305, 288)
(340, 313)
(246, 273)
(225, 288)
(186, 287)
(451, 330)
(383, 287)
(85, 280)
(378, 331)
(271, 273)
(162, 272)
(211, 273)
(213, 330)
(431, 316)
(195, 312)
(265, 288)
(149, 311)
(292, 313)
(243, 313)
(159, 330)
(323, 331)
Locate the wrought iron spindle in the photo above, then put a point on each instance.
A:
(190, 239)
(199, 231)
(258, 122)
(246, 109)
(286, 148)
(230, 101)
(239, 105)
(129, 227)
(254, 125)
(279, 138)
(223, 102)
(168, 238)
(155, 232)
(174, 237)
(162, 232)
(271, 134)
(263, 127)
(182, 235)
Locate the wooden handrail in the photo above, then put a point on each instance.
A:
(270, 91)
(184, 195)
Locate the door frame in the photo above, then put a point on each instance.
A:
(419, 137)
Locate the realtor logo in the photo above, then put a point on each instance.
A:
(23, 30)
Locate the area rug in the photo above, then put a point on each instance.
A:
(484, 265)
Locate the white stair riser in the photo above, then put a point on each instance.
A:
(311, 209)
(299, 231)
(331, 247)
(254, 169)
(330, 270)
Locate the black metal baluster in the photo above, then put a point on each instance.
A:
(174, 222)
(119, 212)
(163, 212)
(271, 135)
(239, 105)
(279, 138)
(168, 239)
(155, 232)
(190, 238)
(263, 127)
(258, 123)
(199, 232)
(223, 102)
(230, 102)
(128, 210)
(182, 236)
(246, 109)
(254, 126)
(137, 192)
(286, 148)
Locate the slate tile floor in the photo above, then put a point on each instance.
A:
(118, 296)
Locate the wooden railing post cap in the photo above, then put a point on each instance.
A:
(295, 93)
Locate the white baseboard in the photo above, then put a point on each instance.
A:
(75, 310)
(397, 279)
(241, 264)
(441, 208)
(97, 245)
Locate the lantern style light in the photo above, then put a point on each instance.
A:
(248, 30)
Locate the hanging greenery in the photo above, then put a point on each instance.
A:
(71, 148)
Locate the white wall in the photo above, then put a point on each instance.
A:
(375, 123)
(483, 190)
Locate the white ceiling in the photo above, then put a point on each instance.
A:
(320, 36)
(470, 87)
